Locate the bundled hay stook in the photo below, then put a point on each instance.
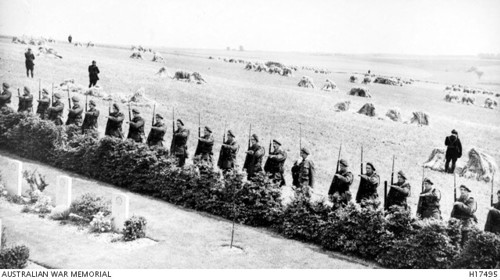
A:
(361, 92)
(342, 106)
(329, 86)
(163, 72)
(306, 82)
(451, 97)
(468, 100)
(480, 166)
(136, 55)
(386, 81)
(368, 109)
(189, 77)
(436, 160)
(420, 118)
(490, 103)
(394, 115)
(158, 58)
(353, 79)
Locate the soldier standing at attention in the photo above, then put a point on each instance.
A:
(5, 96)
(453, 151)
(303, 172)
(253, 161)
(428, 203)
(75, 113)
(205, 145)
(368, 184)
(493, 218)
(114, 124)
(90, 123)
(341, 182)
(29, 62)
(399, 192)
(55, 111)
(136, 128)
(229, 149)
(157, 132)
(43, 105)
(274, 164)
(25, 101)
(93, 74)
(178, 148)
(463, 210)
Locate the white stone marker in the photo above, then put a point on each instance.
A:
(119, 211)
(63, 190)
(12, 175)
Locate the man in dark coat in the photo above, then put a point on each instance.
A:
(29, 62)
(341, 182)
(178, 147)
(368, 184)
(303, 172)
(205, 144)
(428, 202)
(453, 151)
(399, 192)
(93, 74)
(464, 210)
(70, 39)
(43, 105)
(493, 218)
(157, 132)
(114, 124)
(253, 161)
(90, 122)
(228, 151)
(75, 112)
(275, 162)
(25, 101)
(136, 127)
(55, 111)
(5, 96)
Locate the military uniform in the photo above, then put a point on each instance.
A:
(428, 206)
(156, 134)
(398, 197)
(90, 122)
(368, 187)
(29, 63)
(93, 75)
(493, 219)
(178, 148)
(43, 105)
(204, 149)
(25, 103)
(253, 160)
(340, 185)
(114, 125)
(5, 96)
(75, 113)
(55, 112)
(304, 173)
(136, 129)
(453, 151)
(275, 166)
(227, 157)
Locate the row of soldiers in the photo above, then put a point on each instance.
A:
(303, 171)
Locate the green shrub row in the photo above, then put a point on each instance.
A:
(394, 240)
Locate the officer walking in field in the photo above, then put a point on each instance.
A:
(253, 161)
(157, 132)
(114, 124)
(368, 184)
(178, 147)
(93, 74)
(90, 122)
(55, 111)
(428, 203)
(339, 188)
(43, 105)
(399, 192)
(453, 151)
(25, 101)
(205, 145)
(30, 65)
(75, 113)
(493, 218)
(464, 209)
(274, 166)
(136, 127)
(5, 96)
(303, 172)
(228, 151)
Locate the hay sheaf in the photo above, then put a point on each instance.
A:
(342, 106)
(329, 86)
(353, 79)
(368, 109)
(361, 92)
(451, 97)
(136, 55)
(386, 81)
(394, 115)
(163, 72)
(189, 77)
(436, 160)
(158, 58)
(490, 103)
(481, 166)
(306, 82)
(420, 118)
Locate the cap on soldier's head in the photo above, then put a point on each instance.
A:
(45, 91)
(427, 180)
(464, 187)
(180, 121)
(26, 89)
(158, 116)
(305, 150)
(5, 85)
(255, 137)
(208, 129)
(57, 95)
(135, 111)
(75, 98)
(402, 174)
(344, 162)
(92, 102)
(371, 164)
(454, 132)
(276, 142)
(229, 132)
(115, 105)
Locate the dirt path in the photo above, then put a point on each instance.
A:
(185, 238)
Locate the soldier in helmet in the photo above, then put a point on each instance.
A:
(157, 132)
(342, 180)
(205, 145)
(90, 122)
(114, 124)
(253, 161)
(399, 192)
(463, 210)
(228, 151)
(368, 184)
(428, 203)
(136, 128)
(75, 113)
(5, 96)
(43, 105)
(274, 164)
(25, 101)
(303, 172)
(178, 148)
(55, 111)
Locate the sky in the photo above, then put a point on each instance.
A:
(437, 27)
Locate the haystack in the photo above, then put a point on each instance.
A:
(163, 72)
(361, 92)
(451, 97)
(367, 109)
(490, 103)
(329, 86)
(78, 44)
(250, 66)
(306, 82)
(367, 80)
(468, 100)
(189, 77)
(420, 118)
(71, 85)
(386, 81)
(50, 52)
(342, 106)
(353, 79)
(436, 160)
(139, 99)
(394, 115)
(136, 55)
(287, 72)
(96, 91)
(480, 166)
(158, 58)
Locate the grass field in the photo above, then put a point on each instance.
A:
(274, 105)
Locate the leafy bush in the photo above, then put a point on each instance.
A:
(90, 204)
(135, 227)
(100, 223)
(3, 241)
(14, 257)
(43, 205)
(60, 212)
(482, 251)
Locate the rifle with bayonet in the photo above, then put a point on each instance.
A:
(248, 157)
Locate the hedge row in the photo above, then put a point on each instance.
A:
(394, 240)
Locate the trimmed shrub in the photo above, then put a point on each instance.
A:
(482, 251)
(135, 227)
(89, 205)
(14, 257)
(100, 223)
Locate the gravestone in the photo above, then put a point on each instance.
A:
(119, 211)
(63, 191)
(12, 175)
